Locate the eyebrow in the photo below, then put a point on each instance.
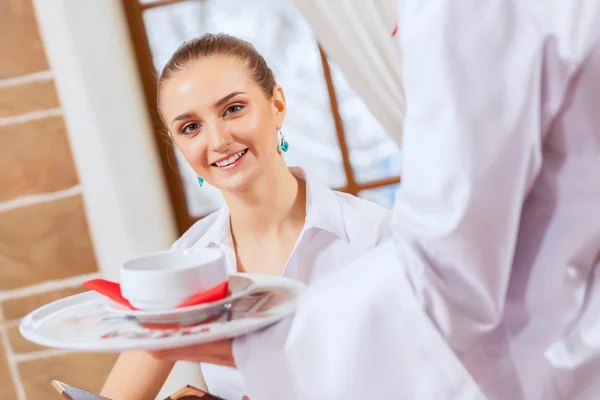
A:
(217, 104)
(226, 98)
(182, 117)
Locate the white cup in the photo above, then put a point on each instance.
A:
(164, 280)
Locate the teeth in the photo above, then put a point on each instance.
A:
(230, 160)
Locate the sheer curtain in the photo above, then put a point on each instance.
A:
(357, 36)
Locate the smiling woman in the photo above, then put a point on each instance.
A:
(228, 133)
(224, 111)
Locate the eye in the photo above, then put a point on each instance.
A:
(233, 109)
(190, 128)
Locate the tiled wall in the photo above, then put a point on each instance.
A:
(45, 247)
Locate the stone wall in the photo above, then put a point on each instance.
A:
(45, 247)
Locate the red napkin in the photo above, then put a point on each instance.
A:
(215, 293)
(112, 290)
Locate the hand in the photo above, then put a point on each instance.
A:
(219, 353)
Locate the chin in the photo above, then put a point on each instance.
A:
(238, 183)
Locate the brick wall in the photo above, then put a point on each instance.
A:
(45, 247)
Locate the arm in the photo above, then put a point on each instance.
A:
(472, 152)
(136, 376)
(485, 82)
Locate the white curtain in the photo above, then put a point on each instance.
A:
(357, 37)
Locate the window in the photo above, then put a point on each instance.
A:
(331, 132)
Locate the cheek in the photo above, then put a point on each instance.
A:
(257, 130)
(247, 126)
(193, 150)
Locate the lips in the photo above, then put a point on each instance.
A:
(230, 160)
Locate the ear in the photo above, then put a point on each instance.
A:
(278, 105)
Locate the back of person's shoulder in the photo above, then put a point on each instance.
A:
(196, 232)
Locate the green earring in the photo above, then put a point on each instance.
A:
(200, 181)
(283, 144)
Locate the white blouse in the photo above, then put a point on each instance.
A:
(338, 229)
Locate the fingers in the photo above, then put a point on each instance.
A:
(213, 353)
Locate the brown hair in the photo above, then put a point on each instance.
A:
(220, 44)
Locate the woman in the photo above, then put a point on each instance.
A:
(224, 111)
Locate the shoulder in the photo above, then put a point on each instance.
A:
(355, 205)
(364, 219)
(197, 232)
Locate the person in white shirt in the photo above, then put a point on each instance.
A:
(491, 285)
(224, 111)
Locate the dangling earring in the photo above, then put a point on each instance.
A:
(200, 181)
(283, 144)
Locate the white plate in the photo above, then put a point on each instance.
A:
(84, 323)
(239, 286)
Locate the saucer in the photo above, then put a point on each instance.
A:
(85, 322)
(238, 286)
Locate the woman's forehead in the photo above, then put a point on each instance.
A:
(209, 73)
(207, 81)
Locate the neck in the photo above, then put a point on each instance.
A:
(275, 201)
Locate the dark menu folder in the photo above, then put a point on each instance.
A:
(73, 393)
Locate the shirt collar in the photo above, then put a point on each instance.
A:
(323, 211)
(323, 208)
(219, 232)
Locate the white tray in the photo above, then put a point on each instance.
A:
(84, 322)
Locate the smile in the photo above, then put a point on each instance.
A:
(230, 160)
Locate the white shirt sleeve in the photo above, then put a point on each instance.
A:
(472, 151)
(484, 81)
(402, 321)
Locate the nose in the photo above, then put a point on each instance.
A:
(219, 138)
